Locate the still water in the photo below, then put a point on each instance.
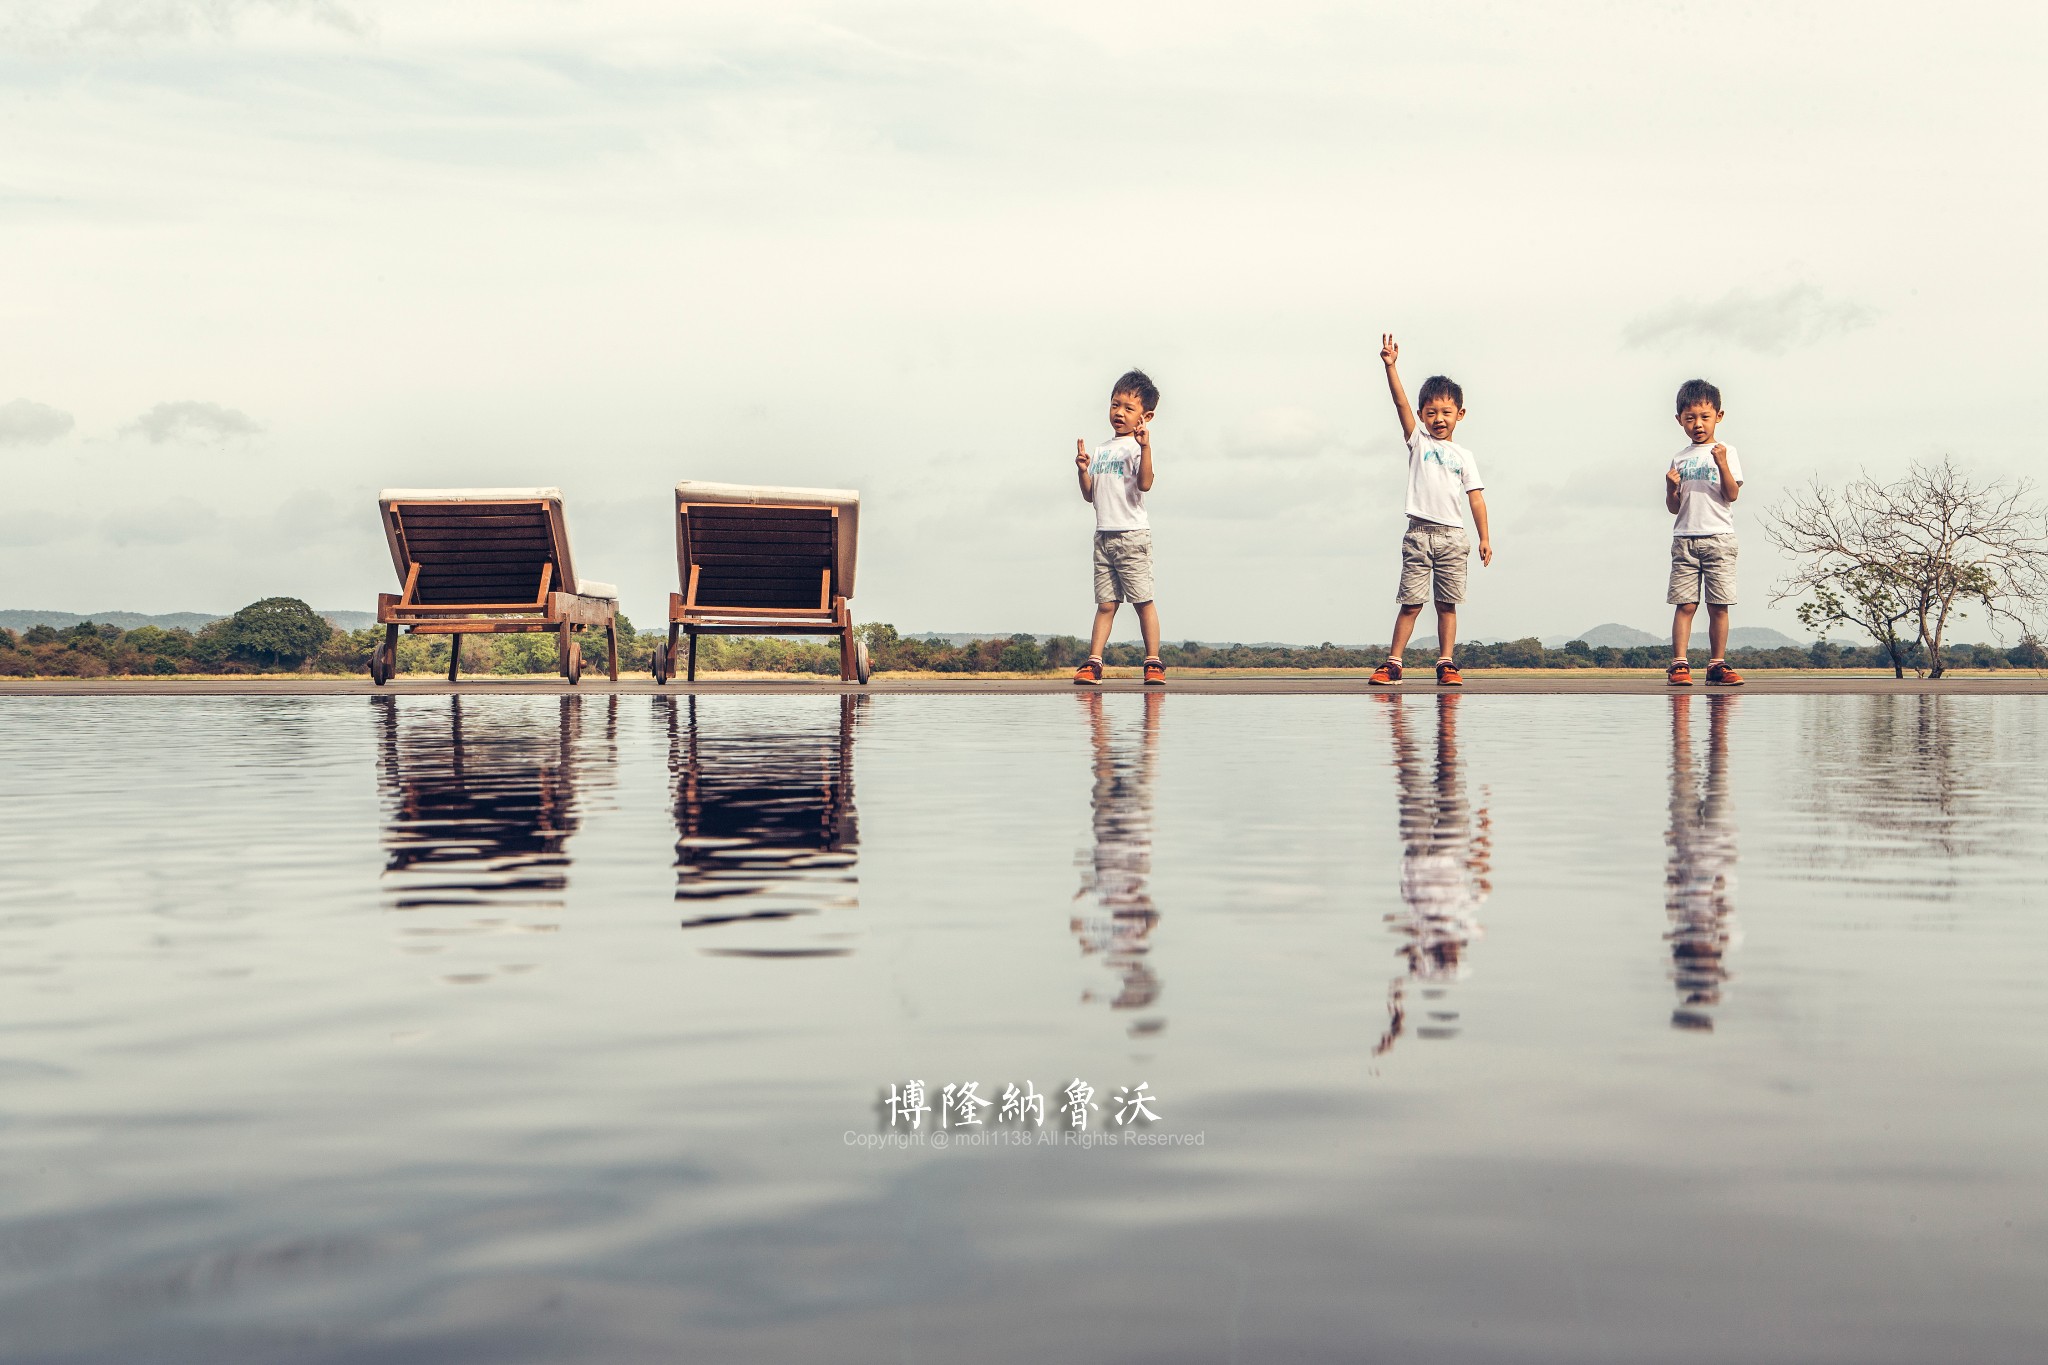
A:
(1701, 1028)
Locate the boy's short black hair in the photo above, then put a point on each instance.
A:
(1139, 383)
(1440, 386)
(1698, 391)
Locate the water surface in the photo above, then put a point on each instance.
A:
(1702, 1028)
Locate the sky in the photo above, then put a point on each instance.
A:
(262, 258)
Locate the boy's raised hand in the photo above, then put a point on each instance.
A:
(1142, 434)
(1389, 350)
(1081, 456)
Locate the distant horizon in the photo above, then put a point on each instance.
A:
(17, 618)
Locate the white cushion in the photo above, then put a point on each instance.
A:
(590, 587)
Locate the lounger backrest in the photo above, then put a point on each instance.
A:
(478, 552)
(759, 556)
(740, 529)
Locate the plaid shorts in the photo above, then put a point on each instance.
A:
(1123, 566)
(1429, 551)
(1702, 562)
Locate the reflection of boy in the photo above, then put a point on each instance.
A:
(1700, 489)
(1118, 871)
(1444, 866)
(1115, 477)
(1699, 879)
(1434, 551)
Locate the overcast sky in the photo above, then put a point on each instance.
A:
(264, 257)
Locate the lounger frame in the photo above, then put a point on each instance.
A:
(567, 614)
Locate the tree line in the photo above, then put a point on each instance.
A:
(285, 635)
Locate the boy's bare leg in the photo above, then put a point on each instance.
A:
(1446, 630)
(1098, 639)
(1404, 626)
(1717, 629)
(1681, 627)
(1148, 623)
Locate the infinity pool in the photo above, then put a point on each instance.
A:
(1689, 1029)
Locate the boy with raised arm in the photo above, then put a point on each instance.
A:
(1115, 477)
(1435, 550)
(1700, 489)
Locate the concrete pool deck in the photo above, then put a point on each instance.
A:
(1489, 682)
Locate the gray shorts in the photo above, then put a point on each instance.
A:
(1123, 566)
(1702, 562)
(1433, 550)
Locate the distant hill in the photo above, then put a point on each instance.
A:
(1760, 637)
(1613, 633)
(1625, 637)
(20, 619)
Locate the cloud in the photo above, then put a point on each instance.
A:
(1796, 315)
(24, 423)
(135, 19)
(192, 420)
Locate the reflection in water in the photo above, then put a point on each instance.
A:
(1116, 869)
(1901, 790)
(1446, 857)
(1699, 878)
(480, 805)
(765, 822)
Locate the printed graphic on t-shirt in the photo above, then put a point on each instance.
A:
(1113, 463)
(1700, 468)
(1437, 453)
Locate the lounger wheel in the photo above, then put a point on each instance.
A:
(660, 665)
(860, 661)
(380, 665)
(573, 669)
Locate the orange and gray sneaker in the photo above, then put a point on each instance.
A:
(1155, 673)
(1719, 674)
(1447, 674)
(1088, 674)
(1387, 674)
(1679, 674)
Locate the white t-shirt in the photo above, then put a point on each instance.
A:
(1703, 507)
(1119, 502)
(1440, 474)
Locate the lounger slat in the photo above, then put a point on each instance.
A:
(753, 545)
(486, 559)
(704, 517)
(743, 594)
(752, 573)
(493, 531)
(475, 511)
(449, 545)
(707, 516)
(483, 589)
(510, 518)
(718, 559)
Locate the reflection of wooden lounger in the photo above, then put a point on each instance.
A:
(763, 561)
(487, 561)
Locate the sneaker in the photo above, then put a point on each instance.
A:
(1447, 674)
(1679, 674)
(1155, 673)
(1387, 674)
(1088, 674)
(1720, 674)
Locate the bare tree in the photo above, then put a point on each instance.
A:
(1909, 555)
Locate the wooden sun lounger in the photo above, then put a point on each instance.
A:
(763, 561)
(487, 561)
